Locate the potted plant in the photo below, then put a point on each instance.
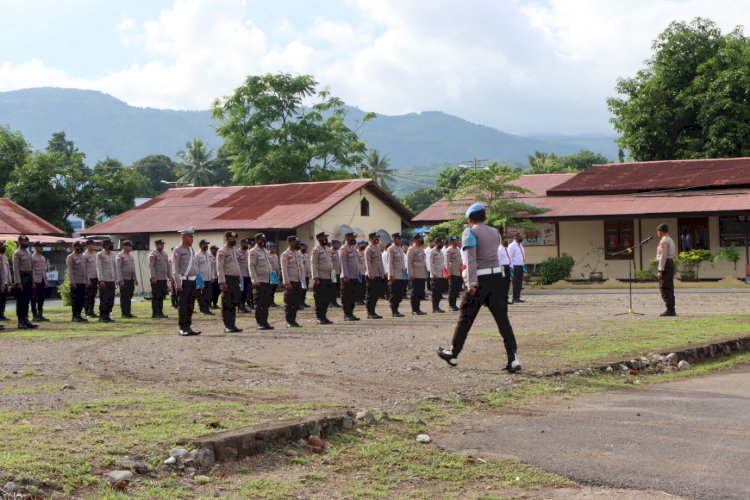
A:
(594, 259)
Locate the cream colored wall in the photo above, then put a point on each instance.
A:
(536, 254)
(348, 212)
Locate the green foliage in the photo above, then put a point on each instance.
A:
(272, 137)
(64, 290)
(730, 254)
(376, 167)
(556, 268)
(13, 152)
(689, 262)
(420, 199)
(648, 274)
(690, 101)
(447, 182)
(550, 163)
(10, 248)
(155, 168)
(196, 167)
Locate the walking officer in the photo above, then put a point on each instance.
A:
(161, 273)
(453, 263)
(106, 273)
(260, 274)
(6, 280)
(39, 282)
(245, 273)
(228, 272)
(23, 279)
(416, 267)
(437, 270)
(92, 285)
(185, 271)
(375, 276)
(78, 280)
(205, 269)
(396, 278)
(293, 273)
(665, 253)
(485, 287)
(126, 279)
(322, 269)
(349, 276)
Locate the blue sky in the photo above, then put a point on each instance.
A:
(518, 65)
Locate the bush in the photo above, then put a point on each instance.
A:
(647, 274)
(556, 268)
(689, 263)
(64, 290)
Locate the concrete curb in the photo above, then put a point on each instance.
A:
(240, 443)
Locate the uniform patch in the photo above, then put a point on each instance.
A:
(468, 240)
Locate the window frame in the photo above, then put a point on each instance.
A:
(364, 207)
(619, 225)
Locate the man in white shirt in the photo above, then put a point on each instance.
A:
(518, 261)
(503, 255)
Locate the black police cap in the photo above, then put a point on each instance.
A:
(322, 234)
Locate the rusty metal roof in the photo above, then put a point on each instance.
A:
(537, 184)
(622, 178)
(269, 207)
(17, 220)
(44, 238)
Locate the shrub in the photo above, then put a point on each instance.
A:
(556, 268)
(730, 253)
(690, 262)
(647, 274)
(64, 290)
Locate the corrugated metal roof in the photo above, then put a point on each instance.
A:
(44, 238)
(17, 220)
(621, 178)
(269, 207)
(537, 184)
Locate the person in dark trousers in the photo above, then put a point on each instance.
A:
(39, 283)
(92, 286)
(322, 270)
(161, 274)
(375, 276)
(215, 288)
(336, 259)
(126, 278)
(245, 285)
(349, 276)
(185, 271)
(6, 280)
(396, 275)
(503, 255)
(23, 280)
(665, 253)
(437, 274)
(361, 287)
(229, 276)
(260, 274)
(518, 261)
(273, 254)
(453, 264)
(293, 273)
(106, 272)
(485, 288)
(78, 279)
(416, 267)
(206, 270)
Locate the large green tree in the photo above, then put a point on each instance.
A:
(272, 136)
(155, 168)
(550, 163)
(377, 168)
(445, 186)
(196, 167)
(691, 99)
(13, 152)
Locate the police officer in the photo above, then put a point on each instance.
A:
(396, 278)
(349, 276)
(336, 275)
(518, 261)
(205, 269)
(437, 269)
(453, 263)
(260, 274)
(39, 282)
(416, 266)
(307, 266)
(126, 278)
(23, 279)
(174, 296)
(185, 271)
(322, 269)
(215, 289)
(161, 273)
(665, 253)
(229, 276)
(374, 274)
(106, 273)
(362, 265)
(245, 273)
(78, 280)
(503, 255)
(484, 288)
(92, 286)
(273, 254)
(293, 274)
(6, 280)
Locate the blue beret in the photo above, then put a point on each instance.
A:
(476, 207)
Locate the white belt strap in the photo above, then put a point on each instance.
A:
(490, 270)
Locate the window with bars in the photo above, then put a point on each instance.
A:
(364, 208)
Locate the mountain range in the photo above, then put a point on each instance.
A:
(419, 145)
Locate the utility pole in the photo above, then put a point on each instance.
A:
(472, 164)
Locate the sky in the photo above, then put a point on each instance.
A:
(522, 66)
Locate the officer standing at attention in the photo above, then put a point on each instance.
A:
(23, 279)
(322, 267)
(126, 280)
(665, 266)
(518, 261)
(361, 287)
(215, 289)
(503, 255)
(39, 282)
(374, 275)
(396, 280)
(228, 271)
(349, 274)
(161, 273)
(203, 261)
(185, 270)
(417, 269)
(437, 269)
(174, 297)
(245, 273)
(480, 242)
(307, 266)
(92, 286)
(336, 276)
(273, 254)
(260, 274)
(106, 273)
(293, 274)
(453, 263)
(5, 280)
(78, 280)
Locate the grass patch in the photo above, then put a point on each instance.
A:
(268, 488)
(30, 389)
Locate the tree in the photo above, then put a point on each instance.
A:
(377, 169)
(272, 137)
(420, 199)
(155, 168)
(196, 168)
(582, 160)
(690, 101)
(13, 152)
(113, 188)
